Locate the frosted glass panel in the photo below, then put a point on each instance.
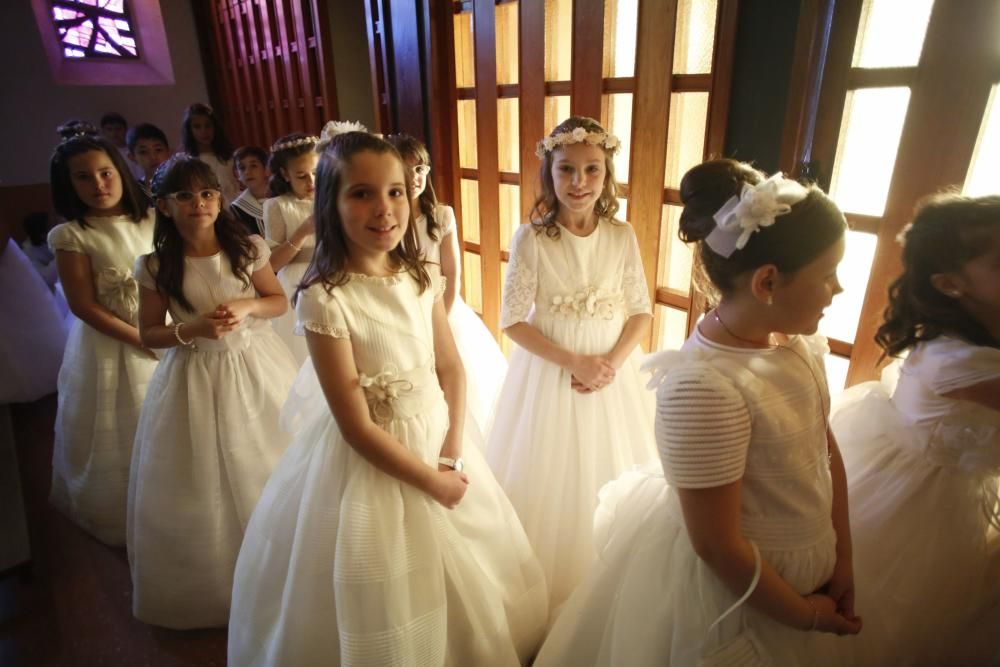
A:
(470, 210)
(985, 167)
(473, 279)
(620, 22)
(866, 153)
(506, 40)
(836, 373)
(676, 257)
(841, 318)
(510, 213)
(672, 325)
(556, 111)
(695, 36)
(558, 39)
(622, 213)
(617, 118)
(465, 62)
(685, 135)
(891, 33)
(467, 146)
(507, 133)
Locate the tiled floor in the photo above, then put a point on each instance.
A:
(72, 606)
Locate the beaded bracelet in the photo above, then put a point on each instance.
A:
(177, 335)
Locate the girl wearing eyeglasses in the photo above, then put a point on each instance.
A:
(208, 435)
(106, 366)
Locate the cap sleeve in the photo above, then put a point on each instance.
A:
(702, 428)
(446, 220)
(263, 252)
(521, 285)
(318, 311)
(947, 364)
(66, 236)
(142, 273)
(274, 222)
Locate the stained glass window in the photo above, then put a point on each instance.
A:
(94, 28)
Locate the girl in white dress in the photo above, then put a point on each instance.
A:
(483, 360)
(106, 367)
(739, 551)
(923, 465)
(573, 413)
(208, 434)
(204, 137)
(288, 222)
(370, 545)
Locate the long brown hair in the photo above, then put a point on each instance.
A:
(64, 198)
(411, 148)
(329, 262)
(543, 213)
(184, 172)
(948, 230)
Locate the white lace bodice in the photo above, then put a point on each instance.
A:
(112, 244)
(594, 278)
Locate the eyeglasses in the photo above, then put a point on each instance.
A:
(421, 169)
(188, 197)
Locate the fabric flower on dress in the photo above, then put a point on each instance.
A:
(588, 304)
(118, 291)
(755, 207)
(382, 391)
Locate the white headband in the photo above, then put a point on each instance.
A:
(575, 136)
(756, 206)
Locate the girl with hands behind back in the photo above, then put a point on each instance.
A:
(374, 542)
(737, 550)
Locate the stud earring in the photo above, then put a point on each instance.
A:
(770, 300)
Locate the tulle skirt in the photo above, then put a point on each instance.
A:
(32, 332)
(485, 365)
(926, 560)
(208, 439)
(552, 448)
(343, 564)
(102, 384)
(650, 600)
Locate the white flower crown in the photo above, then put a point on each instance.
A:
(755, 207)
(294, 143)
(335, 127)
(576, 136)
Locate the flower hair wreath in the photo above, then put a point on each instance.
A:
(575, 136)
(294, 143)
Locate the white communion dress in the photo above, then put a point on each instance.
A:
(282, 216)
(102, 381)
(922, 469)
(344, 564)
(552, 448)
(207, 440)
(32, 331)
(723, 414)
(484, 362)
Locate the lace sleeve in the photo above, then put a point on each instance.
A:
(634, 280)
(522, 278)
(274, 224)
(319, 312)
(702, 428)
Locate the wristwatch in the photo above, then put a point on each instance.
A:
(458, 465)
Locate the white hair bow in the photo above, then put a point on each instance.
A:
(756, 206)
(335, 127)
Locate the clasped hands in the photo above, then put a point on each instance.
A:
(591, 372)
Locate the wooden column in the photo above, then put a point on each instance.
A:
(531, 78)
(588, 58)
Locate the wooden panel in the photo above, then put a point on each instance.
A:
(375, 25)
(267, 126)
(654, 60)
(441, 108)
(408, 98)
(233, 108)
(588, 51)
(278, 101)
(252, 130)
(486, 139)
(532, 112)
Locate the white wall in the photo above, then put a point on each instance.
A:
(32, 105)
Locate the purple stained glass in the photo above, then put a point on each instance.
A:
(94, 29)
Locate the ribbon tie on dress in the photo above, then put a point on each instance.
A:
(382, 391)
(119, 292)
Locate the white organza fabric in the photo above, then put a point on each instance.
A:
(32, 330)
(343, 564)
(102, 382)
(207, 440)
(282, 216)
(485, 365)
(922, 470)
(650, 600)
(551, 447)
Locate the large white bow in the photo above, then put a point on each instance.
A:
(756, 206)
(335, 127)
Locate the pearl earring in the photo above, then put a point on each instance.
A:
(770, 300)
